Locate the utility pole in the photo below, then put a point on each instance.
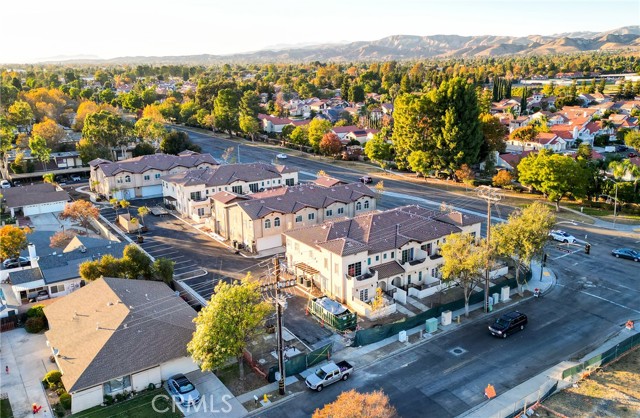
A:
(490, 195)
(281, 383)
(238, 153)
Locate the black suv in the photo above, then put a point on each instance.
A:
(508, 323)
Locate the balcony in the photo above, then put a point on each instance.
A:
(416, 261)
(365, 276)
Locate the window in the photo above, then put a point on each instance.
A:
(298, 218)
(119, 180)
(359, 206)
(366, 204)
(117, 385)
(236, 189)
(354, 269)
(329, 212)
(426, 248)
(407, 255)
(326, 263)
(276, 222)
(419, 276)
(364, 295)
(377, 258)
(393, 255)
(195, 196)
(157, 176)
(127, 179)
(56, 288)
(335, 268)
(290, 182)
(369, 261)
(340, 211)
(384, 256)
(409, 280)
(254, 187)
(267, 223)
(147, 177)
(311, 216)
(200, 211)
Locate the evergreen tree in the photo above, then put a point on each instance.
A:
(408, 130)
(344, 89)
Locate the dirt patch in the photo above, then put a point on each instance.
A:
(613, 391)
(230, 377)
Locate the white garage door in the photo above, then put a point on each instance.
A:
(266, 243)
(149, 191)
(43, 208)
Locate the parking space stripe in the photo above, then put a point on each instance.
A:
(163, 254)
(186, 267)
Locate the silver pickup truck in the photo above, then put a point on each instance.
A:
(328, 374)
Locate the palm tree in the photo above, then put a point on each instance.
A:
(621, 169)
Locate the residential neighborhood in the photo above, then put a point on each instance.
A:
(433, 225)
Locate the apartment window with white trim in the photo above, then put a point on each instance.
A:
(340, 211)
(267, 223)
(56, 288)
(311, 216)
(147, 177)
(364, 295)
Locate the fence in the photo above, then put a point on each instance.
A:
(373, 335)
(302, 362)
(603, 358)
(8, 323)
(341, 322)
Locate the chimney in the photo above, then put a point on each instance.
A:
(32, 255)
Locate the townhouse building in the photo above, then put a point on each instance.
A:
(189, 192)
(394, 250)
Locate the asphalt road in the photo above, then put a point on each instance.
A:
(594, 296)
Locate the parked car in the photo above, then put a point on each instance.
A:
(508, 323)
(329, 374)
(183, 391)
(76, 178)
(281, 156)
(628, 253)
(4, 184)
(621, 148)
(632, 155)
(11, 263)
(366, 179)
(562, 236)
(37, 297)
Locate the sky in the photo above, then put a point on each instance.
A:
(44, 29)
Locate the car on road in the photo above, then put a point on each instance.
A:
(11, 263)
(562, 236)
(281, 156)
(628, 253)
(328, 374)
(4, 184)
(508, 323)
(183, 391)
(366, 179)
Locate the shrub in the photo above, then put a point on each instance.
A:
(59, 410)
(151, 386)
(60, 391)
(65, 401)
(36, 311)
(54, 377)
(34, 325)
(108, 400)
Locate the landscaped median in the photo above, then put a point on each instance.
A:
(140, 406)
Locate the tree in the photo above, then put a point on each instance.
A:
(135, 262)
(177, 141)
(225, 111)
(49, 178)
(80, 211)
(61, 239)
(352, 404)
(142, 212)
(330, 144)
(554, 175)
(464, 263)
(227, 323)
(50, 131)
(502, 179)
(493, 134)
(104, 129)
(89, 151)
(124, 204)
(143, 148)
(378, 301)
(20, 114)
(12, 241)
(465, 174)
(378, 149)
(408, 128)
(299, 136)
(38, 146)
(248, 113)
(632, 139)
(163, 270)
(624, 168)
(523, 235)
(316, 130)
(149, 129)
(525, 134)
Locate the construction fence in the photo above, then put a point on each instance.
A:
(302, 362)
(372, 335)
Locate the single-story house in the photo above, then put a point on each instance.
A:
(116, 335)
(35, 199)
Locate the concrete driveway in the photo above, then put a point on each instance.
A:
(27, 356)
(216, 398)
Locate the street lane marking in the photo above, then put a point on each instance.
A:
(564, 255)
(600, 297)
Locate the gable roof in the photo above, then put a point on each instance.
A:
(115, 327)
(65, 266)
(25, 276)
(227, 174)
(160, 162)
(379, 231)
(34, 194)
(326, 181)
(292, 199)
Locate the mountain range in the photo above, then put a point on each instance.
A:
(409, 47)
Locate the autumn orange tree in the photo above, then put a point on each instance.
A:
(61, 239)
(80, 211)
(330, 144)
(353, 404)
(12, 241)
(502, 179)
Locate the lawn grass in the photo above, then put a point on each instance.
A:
(138, 407)
(5, 409)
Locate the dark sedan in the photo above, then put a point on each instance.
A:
(628, 253)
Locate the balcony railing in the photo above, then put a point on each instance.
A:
(416, 261)
(365, 276)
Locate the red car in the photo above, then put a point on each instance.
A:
(632, 155)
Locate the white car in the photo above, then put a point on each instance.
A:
(562, 236)
(281, 156)
(76, 178)
(5, 184)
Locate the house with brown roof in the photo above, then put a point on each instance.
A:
(395, 250)
(256, 221)
(273, 124)
(35, 199)
(140, 177)
(117, 335)
(544, 140)
(189, 192)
